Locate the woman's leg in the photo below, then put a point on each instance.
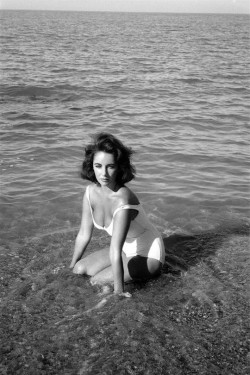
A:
(93, 263)
(105, 276)
(135, 268)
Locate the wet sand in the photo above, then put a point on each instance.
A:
(193, 319)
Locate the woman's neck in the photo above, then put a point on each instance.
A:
(110, 189)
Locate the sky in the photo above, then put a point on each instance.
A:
(175, 6)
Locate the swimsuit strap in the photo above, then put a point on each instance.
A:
(126, 207)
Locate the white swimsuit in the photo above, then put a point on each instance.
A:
(142, 239)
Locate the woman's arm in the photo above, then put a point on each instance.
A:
(120, 229)
(84, 234)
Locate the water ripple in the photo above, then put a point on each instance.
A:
(173, 87)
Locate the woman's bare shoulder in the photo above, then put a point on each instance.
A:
(90, 191)
(91, 188)
(127, 196)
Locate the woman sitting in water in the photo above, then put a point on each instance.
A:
(136, 250)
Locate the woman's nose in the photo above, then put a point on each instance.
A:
(105, 172)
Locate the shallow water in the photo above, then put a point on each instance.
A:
(194, 322)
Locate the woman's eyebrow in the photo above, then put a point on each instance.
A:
(96, 163)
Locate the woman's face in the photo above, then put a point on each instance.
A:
(105, 168)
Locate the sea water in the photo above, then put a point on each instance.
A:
(174, 87)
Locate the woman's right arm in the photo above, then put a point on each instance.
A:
(84, 234)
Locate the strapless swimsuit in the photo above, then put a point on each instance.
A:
(142, 239)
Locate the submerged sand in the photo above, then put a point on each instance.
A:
(193, 319)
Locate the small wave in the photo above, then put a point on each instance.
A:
(33, 125)
(193, 80)
(30, 91)
(40, 93)
(63, 70)
(75, 109)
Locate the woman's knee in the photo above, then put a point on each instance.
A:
(79, 268)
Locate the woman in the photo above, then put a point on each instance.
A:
(136, 250)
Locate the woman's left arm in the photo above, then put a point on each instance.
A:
(120, 229)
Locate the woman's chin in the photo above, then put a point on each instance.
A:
(107, 183)
(104, 183)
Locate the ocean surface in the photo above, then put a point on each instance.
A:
(174, 87)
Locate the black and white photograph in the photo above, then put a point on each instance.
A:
(124, 187)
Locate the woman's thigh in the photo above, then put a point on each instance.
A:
(93, 263)
(105, 276)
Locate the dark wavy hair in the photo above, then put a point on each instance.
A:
(108, 143)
